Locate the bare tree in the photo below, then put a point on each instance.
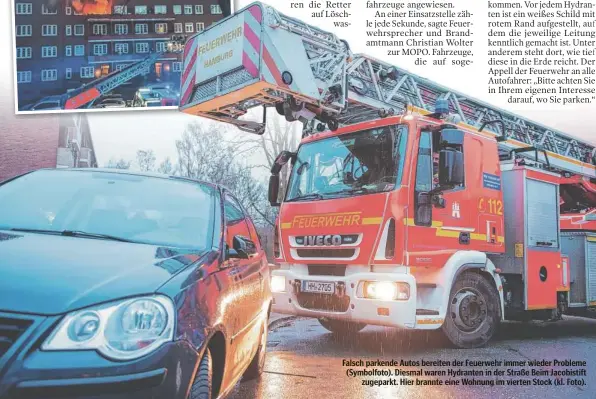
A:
(118, 164)
(146, 160)
(166, 167)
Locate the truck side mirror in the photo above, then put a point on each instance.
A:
(424, 209)
(273, 190)
(451, 168)
(282, 159)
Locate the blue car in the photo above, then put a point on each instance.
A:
(115, 284)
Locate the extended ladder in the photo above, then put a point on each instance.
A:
(310, 75)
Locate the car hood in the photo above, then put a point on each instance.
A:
(48, 274)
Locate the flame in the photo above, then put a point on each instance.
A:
(93, 7)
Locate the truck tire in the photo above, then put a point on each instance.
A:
(473, 311)
(257, 364)
(341, 326)
(202, 385)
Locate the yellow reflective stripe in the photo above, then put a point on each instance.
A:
(372, 220)
(286, 225)
(440, 232)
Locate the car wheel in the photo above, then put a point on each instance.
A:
(202, 385)
(257, 364)
(473, 314)
(341, 326)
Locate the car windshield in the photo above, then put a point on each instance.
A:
(47, 105)
(358, 163)
(149, 210)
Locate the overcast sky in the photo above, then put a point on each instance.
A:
(121, 134)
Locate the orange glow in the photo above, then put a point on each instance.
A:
(93, 7)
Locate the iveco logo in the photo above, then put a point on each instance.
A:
(327, 240)
(323, 240)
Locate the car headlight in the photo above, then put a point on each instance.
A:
(122, 330)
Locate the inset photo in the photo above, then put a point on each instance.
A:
(82, 55)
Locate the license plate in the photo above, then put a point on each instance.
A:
(319, 287)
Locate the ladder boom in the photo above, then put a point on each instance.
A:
(261, 57)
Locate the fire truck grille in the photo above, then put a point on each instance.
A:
(327, 270)
(341, 253)
(329, 303)
(10, 330)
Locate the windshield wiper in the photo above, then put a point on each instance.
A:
(353, 190)
(306, 197)
(71, 233)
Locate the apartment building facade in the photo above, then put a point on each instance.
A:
(58, 48)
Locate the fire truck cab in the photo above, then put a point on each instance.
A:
(406, 212)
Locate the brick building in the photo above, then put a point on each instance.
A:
(63, 44)
(42, 141)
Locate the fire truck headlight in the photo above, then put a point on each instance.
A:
(386, 290)
(278, 283)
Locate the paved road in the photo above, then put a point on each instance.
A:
(305, 361)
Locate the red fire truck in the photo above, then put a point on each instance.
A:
(419, 207)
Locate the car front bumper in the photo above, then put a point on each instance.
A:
(350, 307)
(28, 372)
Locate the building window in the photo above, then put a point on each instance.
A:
(87, 72)
(79, 50)
(49, 51)
(68, 51)
(161, 9)
(24, 52)
(142, 48)
(24, 30)
(178, 28)
(49, 75)
(177, 67)
(49, 30)
(215, 9)
(24, 9)
(161, 28)
(121, 29)
(100, 49)
(79, 30)
(199, 9)
(141, 10)
(68, 74)
(141, 29)
(48, 11)
(121, 48)
(178, 10)
(100, 29)
(189, 27)
(68, 30)
(24, 77)
(68, 10)
(161, 47)
(122, 10)
(188, 10)
(200, 26)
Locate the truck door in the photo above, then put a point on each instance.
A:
(442, 222)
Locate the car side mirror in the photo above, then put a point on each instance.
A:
(451, 168)
(273, 192)
(242, 248)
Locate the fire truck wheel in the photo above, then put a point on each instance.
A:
(473, 314)
(341, 326)
(202, 385)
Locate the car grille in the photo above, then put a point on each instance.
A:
(330, 303)
(10, 331)
(326, 253)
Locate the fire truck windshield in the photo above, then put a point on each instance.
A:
(363, 162)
